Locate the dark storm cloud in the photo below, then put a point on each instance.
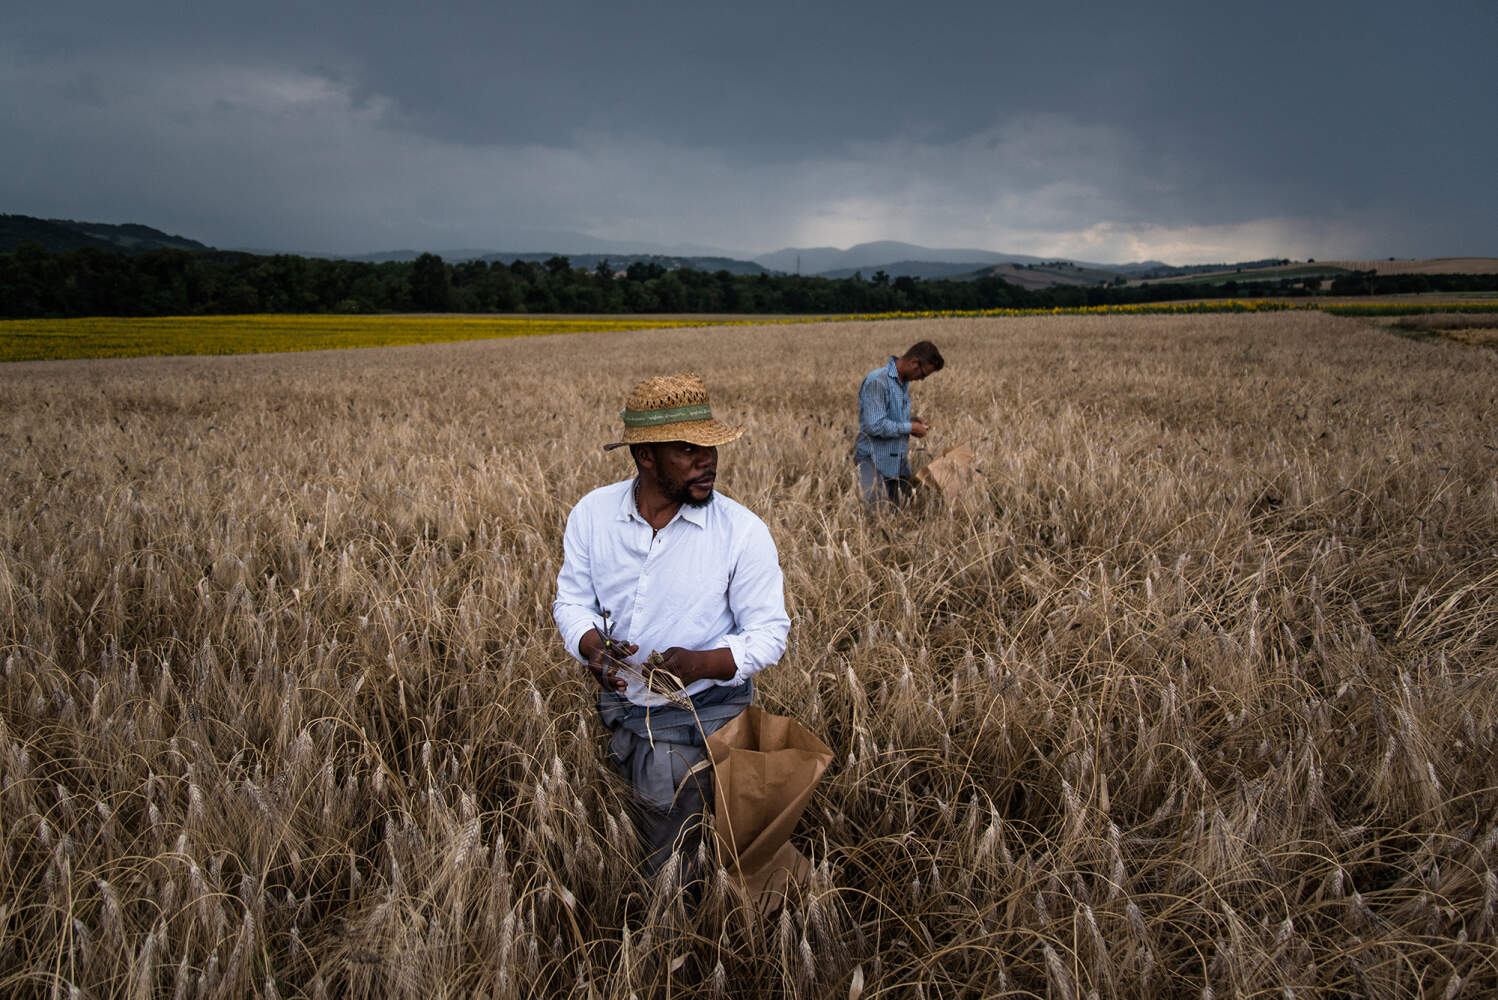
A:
(1166, 130)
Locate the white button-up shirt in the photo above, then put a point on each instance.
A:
(709, 579)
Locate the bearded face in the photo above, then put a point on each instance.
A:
(684, 472)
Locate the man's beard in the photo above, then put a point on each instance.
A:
(681, 493)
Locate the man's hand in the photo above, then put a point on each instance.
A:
(695, 664)
(918, 427)
(600, 657)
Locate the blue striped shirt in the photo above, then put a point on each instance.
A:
(884, 422)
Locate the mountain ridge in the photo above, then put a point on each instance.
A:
(58, 235)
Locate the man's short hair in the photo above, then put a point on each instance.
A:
(926, 353)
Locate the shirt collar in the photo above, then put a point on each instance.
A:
(893, 372)
(628, 510)
(696, 515)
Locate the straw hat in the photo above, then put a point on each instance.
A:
(672, 408)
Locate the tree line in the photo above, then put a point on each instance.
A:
(90, 282)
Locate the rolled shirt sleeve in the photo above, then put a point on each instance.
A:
(756, 597)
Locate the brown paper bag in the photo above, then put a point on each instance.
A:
(764, 769)
(954, 474)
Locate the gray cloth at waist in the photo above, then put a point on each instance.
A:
(655, 748)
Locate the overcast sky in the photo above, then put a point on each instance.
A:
(1183, 132)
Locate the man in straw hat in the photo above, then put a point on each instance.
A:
(886, 425)
(660, 563)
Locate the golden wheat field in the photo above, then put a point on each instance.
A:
(1199, 701)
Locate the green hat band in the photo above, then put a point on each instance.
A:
(674, 415)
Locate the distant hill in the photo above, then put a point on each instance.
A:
(399, 256)
(894, 258)
(926, 270)
(57, 235)
(1430, 265)
(587, 261)
(1056, 272)
(60, 235)
(1027, 272)
(1311, 274)
(883, 254)
(910, 260)
(621, 261)
(1035, 273)
(1217, 274)
(1264, 270)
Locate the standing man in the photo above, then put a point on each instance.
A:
(659, 562)
(886, 425)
